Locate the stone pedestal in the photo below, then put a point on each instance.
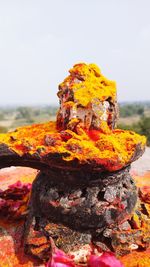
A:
(74, 208)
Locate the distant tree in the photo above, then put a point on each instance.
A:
(141, 127)
(144, 125)
(140, 111)
(51, 110)
(25, 113)
(131, 109)
(2, 116)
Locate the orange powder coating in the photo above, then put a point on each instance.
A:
(92, 84)
(142, 180)
(114, 149)
(137, 259)
(12, 251)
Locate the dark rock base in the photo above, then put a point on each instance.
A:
(76, 209)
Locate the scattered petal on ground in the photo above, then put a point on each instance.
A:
(105, 260)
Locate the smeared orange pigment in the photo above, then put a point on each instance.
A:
(84, 130)
(142, 180)
(96, 143)
(9, 176)
(88, 99)
(137, 259)
(11, 247)
(92, 84)
(114, 150)
(12, 252)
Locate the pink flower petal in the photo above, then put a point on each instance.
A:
(60, 259)
(13, 198)
(105, 260)
(20, 185)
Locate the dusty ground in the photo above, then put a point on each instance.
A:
(142, 165)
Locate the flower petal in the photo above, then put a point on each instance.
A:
(60, 259)
(105, 260)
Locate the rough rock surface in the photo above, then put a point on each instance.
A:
(84, 196)
(87, 98)
(85, 204)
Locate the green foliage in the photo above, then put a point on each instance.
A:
(144, 125)
(50, 110)
(2, 116)
(141, 127)
(24, 113)
(28, 113)
(129, 110)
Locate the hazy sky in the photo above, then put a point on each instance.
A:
(41, 39)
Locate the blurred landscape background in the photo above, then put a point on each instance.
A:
(133, 116)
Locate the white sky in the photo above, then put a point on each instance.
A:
(41, 39)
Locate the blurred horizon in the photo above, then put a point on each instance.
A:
(134, 116)
(56, 105)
